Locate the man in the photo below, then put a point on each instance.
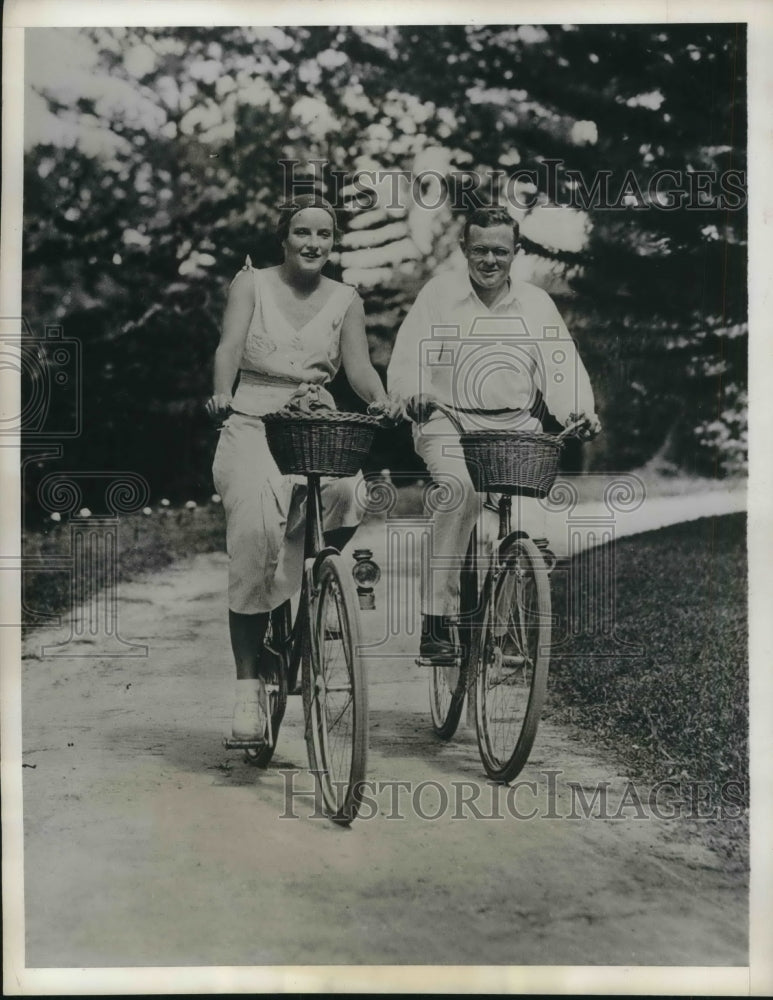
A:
(489, 346)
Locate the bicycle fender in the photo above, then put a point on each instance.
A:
(505, 542)
(329, 550)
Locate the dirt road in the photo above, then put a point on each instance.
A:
(147, 844)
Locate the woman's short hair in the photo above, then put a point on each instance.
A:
(488, 216)
(297, 204)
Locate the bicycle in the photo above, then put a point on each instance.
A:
(502, 633)
(323, 639)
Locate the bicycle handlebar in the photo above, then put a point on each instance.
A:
(572, 430)
(219, 420)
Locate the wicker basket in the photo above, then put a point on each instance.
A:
(331, 444)
(516, 462)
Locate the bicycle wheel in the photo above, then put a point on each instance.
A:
(335, 695)
(447, 688)
(274, 670)
(512, 659)
(448, 685)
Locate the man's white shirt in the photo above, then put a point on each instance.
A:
(453, 347)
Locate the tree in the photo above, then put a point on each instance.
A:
(151, 175)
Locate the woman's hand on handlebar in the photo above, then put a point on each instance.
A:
(588, 426)
(218, 406)
(389, 408)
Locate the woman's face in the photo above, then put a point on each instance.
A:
(309, 241)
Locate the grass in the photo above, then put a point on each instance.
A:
(146, 543)
(678, 711)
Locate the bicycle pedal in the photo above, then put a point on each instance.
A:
(438, 661)
(230, 743)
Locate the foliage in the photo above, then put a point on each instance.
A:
(155, 164)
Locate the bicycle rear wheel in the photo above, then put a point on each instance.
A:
(447, 688)
(274, 670)
(512, 659)
(335, 694)
(448, 684)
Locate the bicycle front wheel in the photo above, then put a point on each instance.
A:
(512, 659)
(335, 694)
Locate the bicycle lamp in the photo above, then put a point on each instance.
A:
(366, 575)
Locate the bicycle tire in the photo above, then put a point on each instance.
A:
(276, 680)
(448, 685)
(447, 688)
(335, 697)
(515, 626)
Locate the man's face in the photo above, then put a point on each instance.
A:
(489, 252)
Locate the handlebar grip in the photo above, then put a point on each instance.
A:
(218, 419)
(573, 429)
(431, 406)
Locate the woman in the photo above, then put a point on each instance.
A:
(285, 329)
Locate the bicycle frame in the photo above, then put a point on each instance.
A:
(474, 566)
(288, 633)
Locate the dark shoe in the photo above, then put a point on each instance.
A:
(435, 638)
(433, 649)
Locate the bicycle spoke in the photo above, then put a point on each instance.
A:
(447, 688)
(512, 672)
(336, 698)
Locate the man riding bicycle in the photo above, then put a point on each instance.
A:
(490, 346)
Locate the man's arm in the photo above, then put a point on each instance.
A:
(404, 378)
(567, 389)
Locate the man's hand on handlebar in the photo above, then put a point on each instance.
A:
(389, 408)
(589, 427)
(218, 406)
(420, 407)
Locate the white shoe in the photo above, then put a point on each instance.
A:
(248, 722)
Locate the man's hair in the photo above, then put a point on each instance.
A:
(297, 204)
(488, 216)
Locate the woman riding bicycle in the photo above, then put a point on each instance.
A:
(286, 332)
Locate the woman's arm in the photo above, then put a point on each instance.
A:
(355, 355)
(236, 322)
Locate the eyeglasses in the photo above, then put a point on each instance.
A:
(479, 253)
